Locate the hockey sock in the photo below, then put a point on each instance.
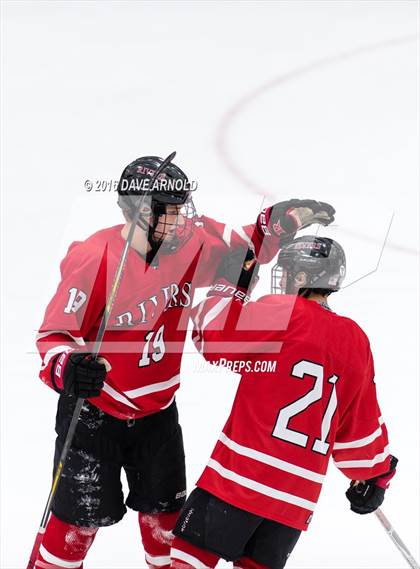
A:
(64, 545)
(184, 555)
(248, 563)
(157, 536)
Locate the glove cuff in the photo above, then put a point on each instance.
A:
(57, 372)
(384, 480)
(263, 222)
(285, 223)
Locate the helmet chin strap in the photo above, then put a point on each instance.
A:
(149, 229)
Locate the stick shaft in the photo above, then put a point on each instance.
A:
(398, 542)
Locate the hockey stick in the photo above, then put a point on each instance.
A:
(398, 542)
(95, 352)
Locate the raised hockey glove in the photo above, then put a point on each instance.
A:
(239, 268)
(77, 373)
(367, 495)
(283, 219)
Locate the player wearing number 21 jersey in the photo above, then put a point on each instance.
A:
(318, 401)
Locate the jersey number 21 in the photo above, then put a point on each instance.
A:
(281, 429)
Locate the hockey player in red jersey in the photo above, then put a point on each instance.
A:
(129, 419)
(261, 484)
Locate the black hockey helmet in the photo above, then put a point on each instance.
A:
(166, 202)
(171, 187)
(309, 263)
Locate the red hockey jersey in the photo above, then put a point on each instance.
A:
(317, 398)
(147, 327)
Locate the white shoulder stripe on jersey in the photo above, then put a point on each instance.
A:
(215, 311)
(227, 235)
(78, 339)
(364, 463)
(260, 488)
(157, 560)
(360, 442)
(271, 460)
(152, 388)
(58, 561)
(117, 396)
(53, 352)
(183, 556)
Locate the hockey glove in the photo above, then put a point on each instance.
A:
(283, 219)
(76, 373)
(240, 268)
(367, 495)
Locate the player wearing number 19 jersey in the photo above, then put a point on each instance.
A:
(260, 487)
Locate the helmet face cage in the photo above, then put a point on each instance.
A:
(280, 280)
(320, 260)
(172, 225)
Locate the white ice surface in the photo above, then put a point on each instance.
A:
(89, 86)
